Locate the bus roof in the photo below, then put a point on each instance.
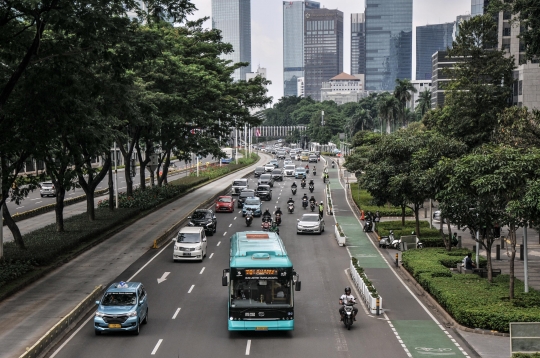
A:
(258, 249)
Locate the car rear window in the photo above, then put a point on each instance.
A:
(277, 171)
(239, 183)
(265, 176)
(310, 218)
(290, 167)
(119, 299)
(188, 237)
(224, 200)
(198, 215)
(259, 169)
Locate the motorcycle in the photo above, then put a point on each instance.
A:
(307, 170)
(311, 188)
(333, 164)
(249, 218)
(368, 226)
(266, 223)
(304, 203)
(388, 241)
(278, 219)
(303, 184)
(314, 172)
(291, 207)
(348, 318)
(293, 189)
(274, 228)
(312, 206)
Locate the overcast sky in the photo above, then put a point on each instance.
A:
(267, 29)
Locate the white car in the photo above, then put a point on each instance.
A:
(190, 244)
(310, 224)
(269, 167)
(287, 162)
(289, 170)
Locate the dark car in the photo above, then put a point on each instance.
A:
(277, 174)
(266, 179)
(204, 218)
(258, 171)
(243, 195)
(264, 192)
(312, 159)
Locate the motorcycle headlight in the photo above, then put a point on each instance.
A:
(99, 314)
(132, 314)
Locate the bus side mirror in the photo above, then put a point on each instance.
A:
(224, 281)
(298, 286)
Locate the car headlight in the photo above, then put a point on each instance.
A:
(132, 314)
(198, 247)
(99, 314)
(176, 247)
(191, 224)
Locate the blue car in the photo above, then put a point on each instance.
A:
(254, 204)
(123, 307)
(300, 173)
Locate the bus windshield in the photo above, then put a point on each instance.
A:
(261, 293)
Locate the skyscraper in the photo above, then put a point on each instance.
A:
(388, 43)
(233, 18)
(478, 7)
(293, 43)
(430, 39)
(358, 44)
(323, 48)
(459, 20)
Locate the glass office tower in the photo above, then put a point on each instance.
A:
(233, 18)
(430, 39)
(478, 7)
(293, 43)
(388, 43)
(323, 49)
(358, 44)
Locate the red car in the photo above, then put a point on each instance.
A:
(225, 203)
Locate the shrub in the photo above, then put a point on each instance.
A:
(471, 300)
(10, 270)
(367, 282)
(365, 202)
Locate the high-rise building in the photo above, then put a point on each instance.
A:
(293, 43)
(459, 20)
(478, 7)
(388, 43)
(358, 44)
(323, 48)
(430, 39)
(233, 18)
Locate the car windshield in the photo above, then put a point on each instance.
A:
(119, 299)
(265, 176)
(239, 183)
(258, 293)
(300, 170)
(188, 237)
(258, 169)
(313, 218)
(252, 202)
(199, 215)
(263, 188)
(290, 167)
(224, 200)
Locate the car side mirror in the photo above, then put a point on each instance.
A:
(189, 217)
(298, 286)
(97, 303)
(298, 220)
(140, 302)
(204, 239)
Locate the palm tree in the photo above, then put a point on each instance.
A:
(424, 102)
(388, 108)
(403, 93)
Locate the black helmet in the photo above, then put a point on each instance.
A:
(347, 290)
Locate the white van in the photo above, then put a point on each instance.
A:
(190, 244)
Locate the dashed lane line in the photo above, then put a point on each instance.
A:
(212, 254)
(191, 288)
(219, 242)
(176, 313)
(225, 233)
(156, 347)
(248, 347)
(200, 273)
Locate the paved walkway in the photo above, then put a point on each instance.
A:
(35, 309)
(360, 247)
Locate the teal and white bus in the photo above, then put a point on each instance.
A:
(261, 283)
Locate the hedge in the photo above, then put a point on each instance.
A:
(526, 355)
(471, 300)
(365, 202)
(429, 237)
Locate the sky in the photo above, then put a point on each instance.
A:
(267, 30)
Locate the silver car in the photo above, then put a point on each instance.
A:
(310, 224)
(46, 189)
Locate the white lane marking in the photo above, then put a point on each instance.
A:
(212, 254)
(200, 273)
(34, 199)
(122, 187)
(225, 233)
(248, 347)
(191, 288)
(219, 242)
(163, 277)
(92, 316)
(156, 347)
(176, 313)
(230, 225)
(277, 202)
(20, 207)
(234, 218)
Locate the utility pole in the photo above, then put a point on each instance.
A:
(236, 143)
(525, 260)
(322, 118)
(1, 219)
(115, 177)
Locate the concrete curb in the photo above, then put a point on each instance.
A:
(66, 324)
(167, 235)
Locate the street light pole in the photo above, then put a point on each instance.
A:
(1, 219)
(236, 143)
(525, 259)
(322, 118)
(115, 176)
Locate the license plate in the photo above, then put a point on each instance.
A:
(187, 254)
(115, 325)
(261, 328)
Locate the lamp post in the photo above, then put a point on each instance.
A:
(322, 118)
(115, 177)
(1, 219)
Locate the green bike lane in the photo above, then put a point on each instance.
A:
(415, 328)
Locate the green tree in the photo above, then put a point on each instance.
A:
(424, 102)
(403, 93)
(388, 110)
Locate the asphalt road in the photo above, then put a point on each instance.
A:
(188, 311)
(34, 199)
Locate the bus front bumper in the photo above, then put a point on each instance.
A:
(281, 325)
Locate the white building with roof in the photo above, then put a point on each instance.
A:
(343, 88)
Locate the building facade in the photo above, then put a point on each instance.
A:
(430, 39)
(323, 48)
(442, 65)
(300, 87)
(293, 43)
(343, 88)
(478, 7)
(358, 44)
(459, 20)
(420, 86)
(233, 18)
(388, 43)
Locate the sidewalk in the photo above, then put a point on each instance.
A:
(395, 297)
(35, 309)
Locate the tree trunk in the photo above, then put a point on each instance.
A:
(90, 210)
(12, 225)
(489, 267)
(111, 190)
(89, 186)
(403, 207)
(449, 242)
(142, 165)
(513, 241)
(417, 217)
(59, 209)
(163, 177)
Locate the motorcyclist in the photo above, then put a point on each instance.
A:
(311, 183)
(290, 201)
(345, 299)
(321, 209)
(278, 211)
(303, 183)
(266, 215)
(333, 164)
(304, 200)
(312, 200)
(294, 185)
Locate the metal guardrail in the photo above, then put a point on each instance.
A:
(65, 324)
